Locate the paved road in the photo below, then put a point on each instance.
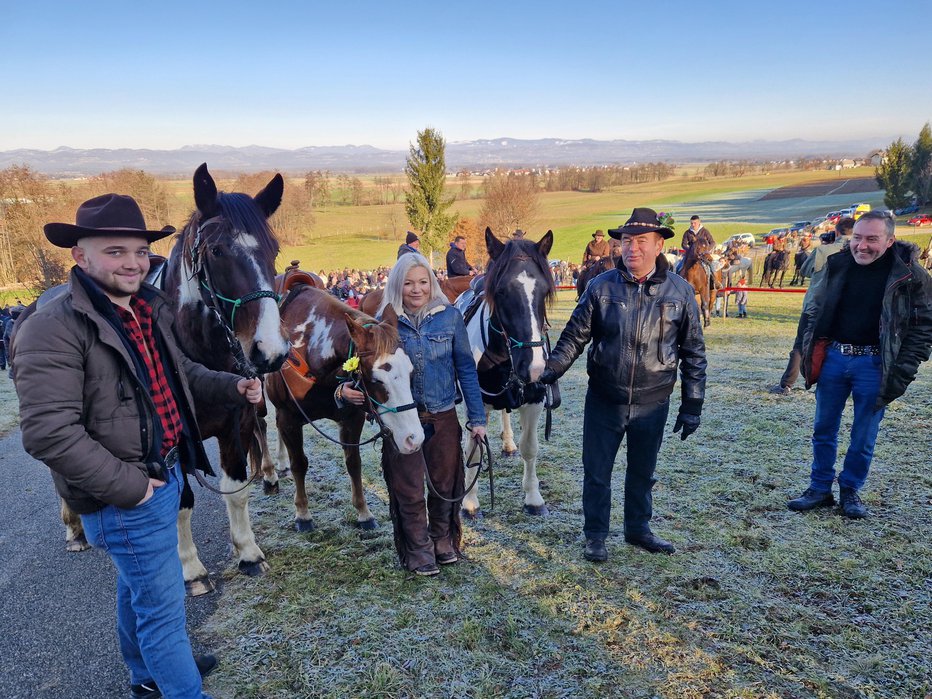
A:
(57, 620)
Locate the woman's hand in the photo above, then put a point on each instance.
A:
(478, 432)
(348, 394)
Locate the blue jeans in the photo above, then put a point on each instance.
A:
(604, 426)
(142, 542)
(841, 376)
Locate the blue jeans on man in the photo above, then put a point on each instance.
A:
(843, 376)
(604, 426)
(142, 542)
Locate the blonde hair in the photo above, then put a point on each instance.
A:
(394, 288)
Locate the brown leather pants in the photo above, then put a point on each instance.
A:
(422, 533)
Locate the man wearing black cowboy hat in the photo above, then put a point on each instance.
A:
(106, 403)
(643, 322)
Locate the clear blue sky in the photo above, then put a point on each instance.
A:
(165, 74)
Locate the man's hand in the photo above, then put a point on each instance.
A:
(150, 491)
(688, 423)
(251, 388)
(548, 376)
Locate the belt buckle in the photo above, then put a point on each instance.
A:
(171, 458)
(846, 349)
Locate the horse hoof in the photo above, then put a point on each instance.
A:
(509, 454)
(77, 545)
(269, 488)
(303, 525)
(198, 587)
(469, 514)
(367, 524)
(537, 510)
(253, 568)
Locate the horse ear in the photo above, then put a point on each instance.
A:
(205, 192)
(492, 244)
(389, 317)
(269, 198)
(545, 243)
(357, 332)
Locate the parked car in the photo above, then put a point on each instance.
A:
(778, 232)
(801, 227)
(860, 210)
(833, 216)
(920, 220)
(740, 239)
(906, 210)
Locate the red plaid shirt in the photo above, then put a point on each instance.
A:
(139, 331)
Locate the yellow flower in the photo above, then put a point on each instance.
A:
(351, 364)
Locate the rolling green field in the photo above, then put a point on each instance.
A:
(757, 602)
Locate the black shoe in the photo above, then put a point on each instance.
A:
(448, 558)
(150, 690)
(650, 542)
(595, 550)
(810, 500)
(851, 505)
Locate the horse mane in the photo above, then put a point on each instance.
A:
(514, 249)
(384, 336)
(242, 213)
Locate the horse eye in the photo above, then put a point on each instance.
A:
(216, 250)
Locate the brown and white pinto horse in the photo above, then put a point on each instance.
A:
(221, 276)
(325, 333)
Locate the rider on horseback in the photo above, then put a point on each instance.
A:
(597, 249)
(698, 236)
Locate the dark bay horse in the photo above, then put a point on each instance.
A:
(325, 335)
(507, 337)
(775, 263)
(220, 275)
(798, 260)
(695, 273)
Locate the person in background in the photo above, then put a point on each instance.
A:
(741, 298)
(812, 268)
(868, 327)
(457, 266)
(433, 336)
(106, 402)
(412, 244)
(596, 249)
(4, 317)
(638, 304)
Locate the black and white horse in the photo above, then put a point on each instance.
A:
(507, 337)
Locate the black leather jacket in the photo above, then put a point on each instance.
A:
(640, 333)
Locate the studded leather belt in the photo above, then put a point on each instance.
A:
(856, 350)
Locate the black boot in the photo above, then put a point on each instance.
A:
(650, 542)
(150, 690)
(851, 505)
(595, 550)
(810, 500)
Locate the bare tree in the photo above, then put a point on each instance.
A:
(510, 202)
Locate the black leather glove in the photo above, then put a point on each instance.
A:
(687, 422)
(548, 376)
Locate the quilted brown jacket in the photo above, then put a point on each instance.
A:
(84, 411)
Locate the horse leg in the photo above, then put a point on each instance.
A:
(234, 478)
(509, 448)
(470, 506)
(533, 501)
(196, 580)
(75, 541)
(259, 458)
(350, 431)
(291, 438)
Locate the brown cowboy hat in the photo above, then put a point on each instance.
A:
(597, 233)
(643, 220)
(108, 214)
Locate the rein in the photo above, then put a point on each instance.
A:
(511, 344)
(483, 447)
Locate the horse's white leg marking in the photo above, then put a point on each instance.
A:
(529, 415)
(508, 436)
(471, 501)
(190, 562)
(244, 541)
(537, 353)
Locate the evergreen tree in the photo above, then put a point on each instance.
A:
(425, 204)
(893, 174)
(921, 170)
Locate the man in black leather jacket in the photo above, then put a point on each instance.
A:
(643, 322)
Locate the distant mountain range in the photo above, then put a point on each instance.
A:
(474, 155)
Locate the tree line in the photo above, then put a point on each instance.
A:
(905, 171)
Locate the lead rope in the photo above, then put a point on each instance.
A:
(483, 447)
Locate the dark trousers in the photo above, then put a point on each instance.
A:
(422, 533)
(2, 354)
(604, 426)
(796, 355)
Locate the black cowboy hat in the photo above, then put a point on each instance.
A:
(643, 220)
(598, 232)
(108, 214)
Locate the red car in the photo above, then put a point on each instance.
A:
(920, 220)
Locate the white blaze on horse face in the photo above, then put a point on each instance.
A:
(321, 336)
(394, 371)
(537, 353)
(270, 338)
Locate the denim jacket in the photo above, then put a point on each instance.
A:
(439, 350)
